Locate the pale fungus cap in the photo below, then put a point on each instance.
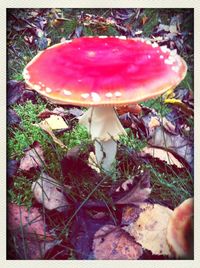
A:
(180, 229)
(95, 71)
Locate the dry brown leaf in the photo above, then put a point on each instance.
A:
(48, 192)
(45, 126)
(33, 158)
(131, 108)
(57, 111)
(150, 229)
(133, 191)
(162, 155)
(113, 243)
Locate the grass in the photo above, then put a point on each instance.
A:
(21, 193)
(21, 138)
(168, 186)
(131, 142)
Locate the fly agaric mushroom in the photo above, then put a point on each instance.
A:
(103, 72)
(180, 230)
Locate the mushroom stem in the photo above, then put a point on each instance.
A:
(105, 152)
(104, 128)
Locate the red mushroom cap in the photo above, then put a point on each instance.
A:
(91, 71)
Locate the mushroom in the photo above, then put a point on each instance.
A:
(180, 230)
(101, 73)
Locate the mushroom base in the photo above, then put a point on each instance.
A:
(104, 128)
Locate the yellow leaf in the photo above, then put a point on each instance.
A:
(173, 101)
(169, 94)
(56, 122)
(150, 229)
(184, 107)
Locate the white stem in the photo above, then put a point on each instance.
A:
(105, 152)
(104, 128)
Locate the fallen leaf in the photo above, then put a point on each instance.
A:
(130, 214)
(45, 126)
(134, 190)
(178, 103)
(27, 222)
(57, 111)
(173, 143)
(163, 155)
(34, 250)
(151, 121)
(82, 232)
(56, 122)
(143, 125)
(75, 112)
(171, 128)
(34, 157)
(112, 243)
(150, 229)
(13, 118)
(49, 192)
(154, 122)
(132, 108)
(12, 167)
(15, 91)
(28, 95)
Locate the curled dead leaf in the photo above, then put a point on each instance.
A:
(134, 190)
(57, 111)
